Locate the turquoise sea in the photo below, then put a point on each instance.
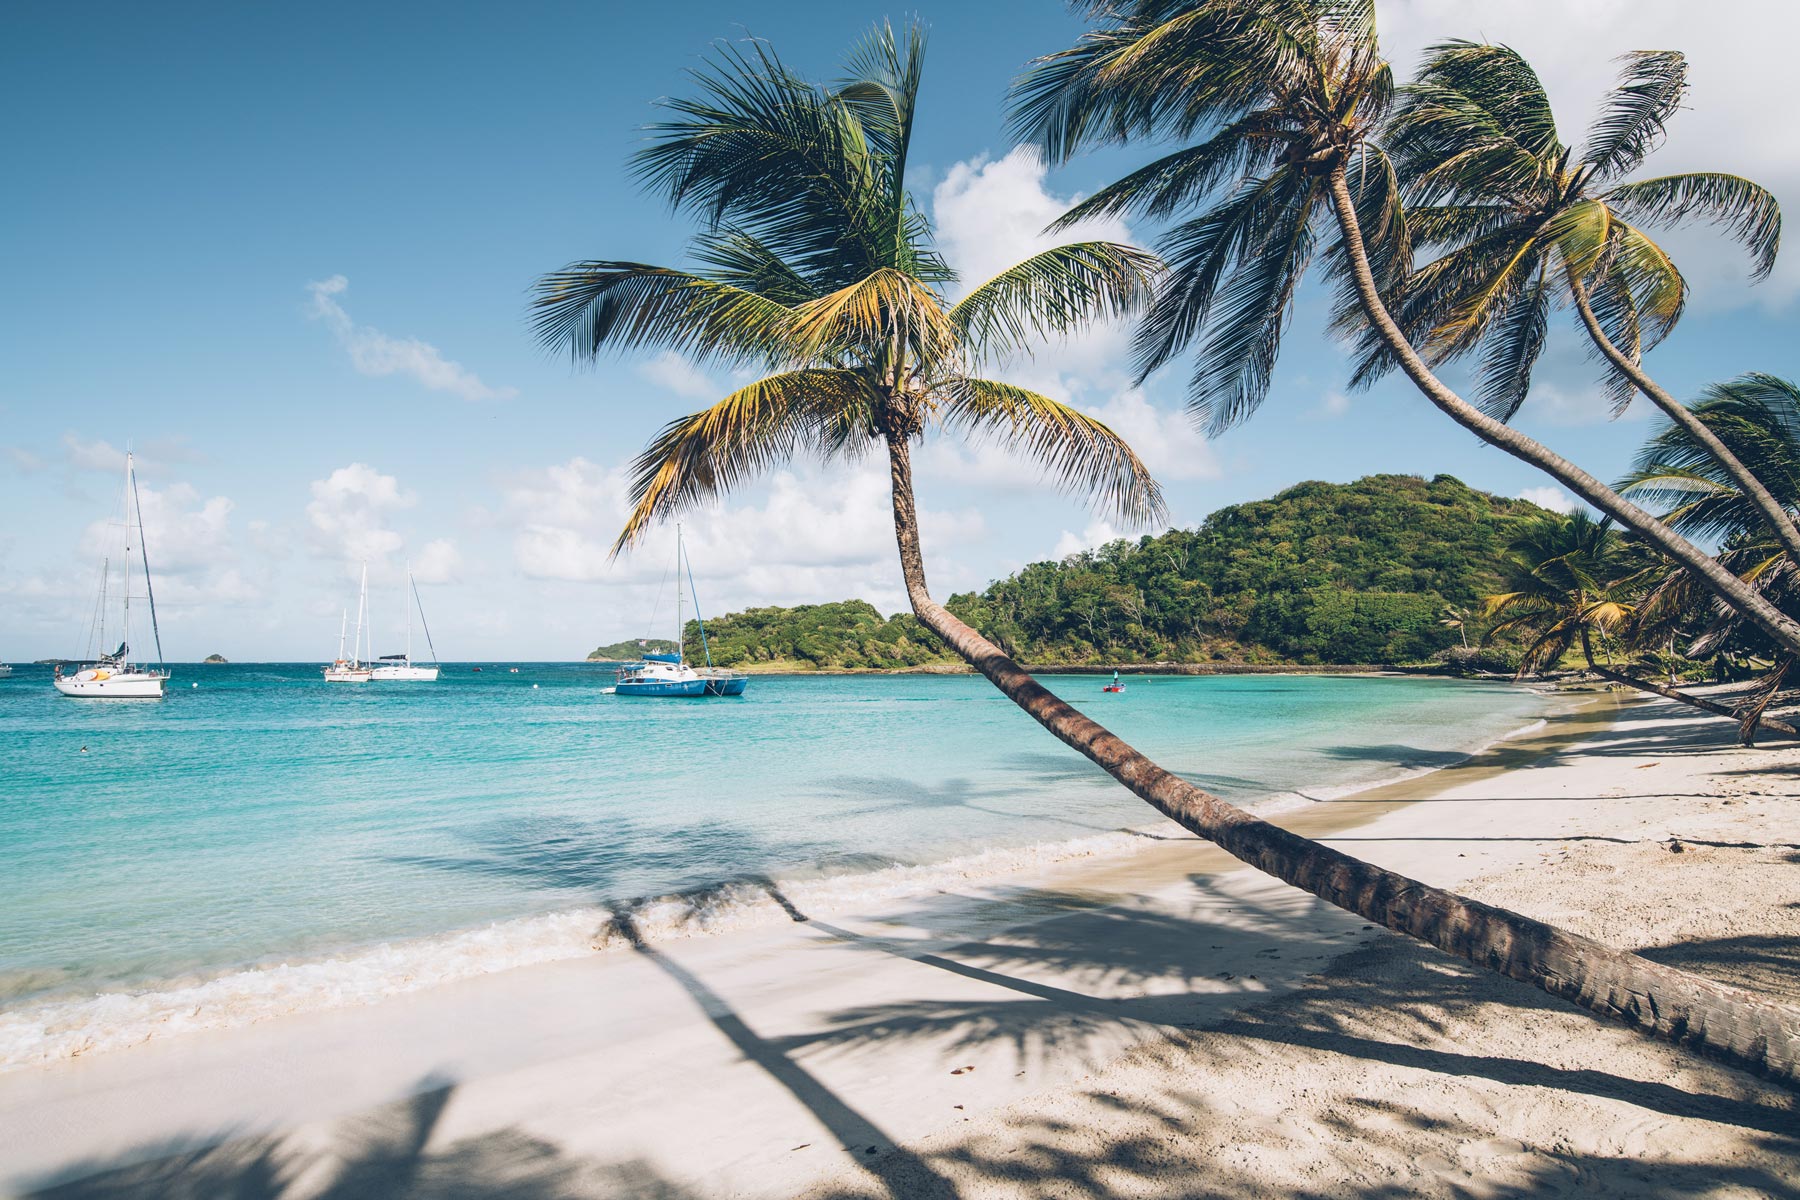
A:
(259, 841)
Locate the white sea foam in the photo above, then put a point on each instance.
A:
(67, 1028)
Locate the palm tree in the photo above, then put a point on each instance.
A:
(820, 269)
(1282, 102)
(1522, 224)
(1758, 417)
(1457, 619)
(1570, 579)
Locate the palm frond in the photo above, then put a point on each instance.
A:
(1081, 453)
(588, 307)
(1635, 114)
(1748, 212)
(1053, 293)
(1511, 349)
(883, 308)
(753, 430)
(1186, 176)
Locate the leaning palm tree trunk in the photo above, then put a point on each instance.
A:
(1748, 717)
(1728, 587)
(1779, 520)
(1727, 1023)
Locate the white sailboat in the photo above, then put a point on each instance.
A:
(351, 670)
(399, 667)
(113, 676)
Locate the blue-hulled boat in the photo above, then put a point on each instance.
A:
(659, 675)
(669, 674)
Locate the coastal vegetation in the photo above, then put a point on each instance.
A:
(1322, 573)
(817, 267)
(631, 649)
(217, 660)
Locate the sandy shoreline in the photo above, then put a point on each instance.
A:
(1112, 1029)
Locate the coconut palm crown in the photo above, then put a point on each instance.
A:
(1524, 222)
(1561, 577)
(1758, 417)
(815, 267)
(1272, 98)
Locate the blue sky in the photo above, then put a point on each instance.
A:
(284, 251)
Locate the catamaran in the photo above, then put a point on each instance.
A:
(399, 667)
(112, 676)
(352, 670)
(669, 674)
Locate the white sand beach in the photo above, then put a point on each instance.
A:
(1161, 1024)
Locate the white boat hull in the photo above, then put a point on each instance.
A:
(347, 674)
(112, 685)
(406, 674)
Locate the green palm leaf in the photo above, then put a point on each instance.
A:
(1636, 113)
(1081, 453)
(749, 432)
(1746, 211)
(1053, 293)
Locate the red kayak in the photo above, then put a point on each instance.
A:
(1113, 687)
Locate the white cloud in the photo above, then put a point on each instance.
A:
(1723, 127)
(1334, 404)
(992, 214)
(188, 542)
(98, 455)
(1097, 534)
(439, 562)
(375, 353)
(808, 537)
(675, 373)
(1552, 498)
(27, 462)
(349, 513)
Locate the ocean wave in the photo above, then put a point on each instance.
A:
(67, 1028)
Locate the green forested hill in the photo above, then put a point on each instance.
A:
(632, 649)
(1322, 573)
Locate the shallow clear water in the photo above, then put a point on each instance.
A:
(264, 816)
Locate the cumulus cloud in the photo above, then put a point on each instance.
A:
(674, 373)
(1097, 534)
(189, 543)
(1552, 498)
(349, 513)
(807, 538)
(375, 353)
(991, 214)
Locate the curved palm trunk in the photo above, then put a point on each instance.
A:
(1777, 518)
(1728, 587)
(1748, 718)
(1727, 1023)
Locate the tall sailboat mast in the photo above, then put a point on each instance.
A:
(409, 609)
(680, 622)
(125, 634)
(137, 505)
(362, 601)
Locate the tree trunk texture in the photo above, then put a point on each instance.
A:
(1727, 1023)
(1728, 587)
(1777, 518)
